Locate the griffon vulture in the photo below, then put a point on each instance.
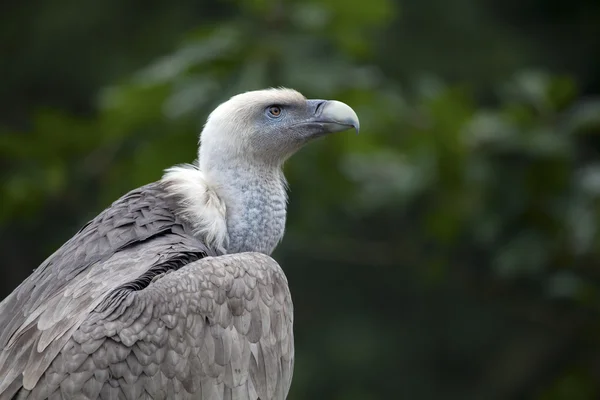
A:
(171, 293)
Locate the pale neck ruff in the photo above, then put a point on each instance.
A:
(231, 209)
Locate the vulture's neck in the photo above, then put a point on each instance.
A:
(233, 209)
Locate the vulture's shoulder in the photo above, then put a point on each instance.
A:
(137, 237)
(218, 328)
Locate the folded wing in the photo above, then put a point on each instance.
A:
(217, 328)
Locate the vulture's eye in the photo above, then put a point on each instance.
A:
(274, 111)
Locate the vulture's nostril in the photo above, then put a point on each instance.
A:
(319, 108)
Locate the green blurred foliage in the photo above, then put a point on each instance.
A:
(451, 250)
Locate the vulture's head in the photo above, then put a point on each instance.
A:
(268, 126)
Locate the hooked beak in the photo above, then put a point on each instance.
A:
(332, 116)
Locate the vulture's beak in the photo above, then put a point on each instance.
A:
(333, 116)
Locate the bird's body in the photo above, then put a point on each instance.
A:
(170, 293)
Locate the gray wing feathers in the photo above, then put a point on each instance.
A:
(218, 328)
(37, 344)
(127, 221)
(126, 240)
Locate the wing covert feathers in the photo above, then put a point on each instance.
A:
(136, 235)
(218, 328)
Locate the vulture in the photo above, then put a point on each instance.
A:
(171, 292)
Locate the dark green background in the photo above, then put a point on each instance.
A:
(450, 251)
